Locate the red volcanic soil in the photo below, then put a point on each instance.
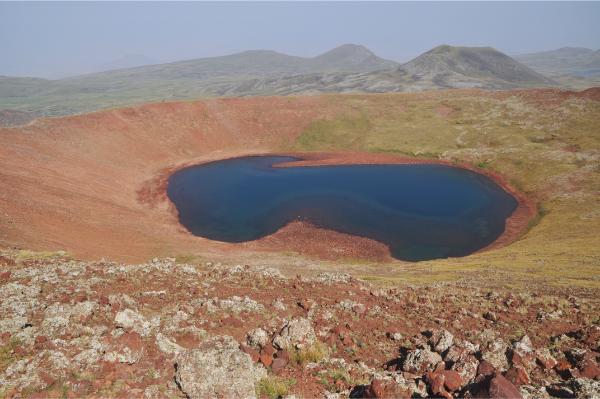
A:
(94, 184)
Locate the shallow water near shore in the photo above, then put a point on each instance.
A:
(420, 212)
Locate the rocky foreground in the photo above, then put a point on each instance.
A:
(77, 329)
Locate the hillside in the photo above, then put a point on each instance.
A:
(73, 329)
(348, 68)
(254, 63)
(575, 61)
(93, 184)
(305, 311)
(456, 66)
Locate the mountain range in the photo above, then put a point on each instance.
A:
(348, 68)
(564, 61)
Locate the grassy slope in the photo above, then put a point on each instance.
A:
(531, 144)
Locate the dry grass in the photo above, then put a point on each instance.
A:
(309, 354)
(273, 387)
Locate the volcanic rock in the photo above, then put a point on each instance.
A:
(421, 360)
(218, 368)
(501, 388)
(296, 332)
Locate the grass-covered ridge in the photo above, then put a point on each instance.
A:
(550, 152)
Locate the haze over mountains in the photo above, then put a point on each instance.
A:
(347, 68)
(564, 61)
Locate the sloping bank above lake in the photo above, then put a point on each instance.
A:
(328, 215)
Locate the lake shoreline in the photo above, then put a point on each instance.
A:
(312, 241)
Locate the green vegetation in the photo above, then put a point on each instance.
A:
(273, 387)
(24, 255)
(346, 132)
(561, 245)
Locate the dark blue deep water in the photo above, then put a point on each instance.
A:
(420, 211)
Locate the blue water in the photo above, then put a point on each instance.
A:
(420, 211)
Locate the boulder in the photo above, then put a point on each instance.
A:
(386, 389)
(131, 320)
(419, 361)
(501, 388)
(452, 380)
(441, 340)
(517, 375)
(218, 368)
(545, 358)
(495, 353)
(532, 392)
(257, 338)
(581, 388)
(523, 346)
(436, 385)
(467, 367)
(485, 369)
(167, 346)
(588, 368)
(585, 388)
(296, 332)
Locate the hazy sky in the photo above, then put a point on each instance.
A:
(58, 39)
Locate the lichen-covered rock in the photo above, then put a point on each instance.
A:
(257, 338)
(421, 360)
(331, 278)
(531, 392)
(126, 348)
(495, 353)
(523, 346)
(167, 346)
(218, 368)
(235, 304)
(441, 340)
(467, 367)
(296, 332)
(586, 388)
(130, 319)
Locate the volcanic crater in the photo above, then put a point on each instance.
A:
(97, 187)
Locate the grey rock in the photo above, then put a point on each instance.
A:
(421, 360)
(441, 340)
(531, 392)
(495, 353)
(257, 338)
(131, 320)
(296, 332)
(218, 368)
(523, 346)
(167, 346)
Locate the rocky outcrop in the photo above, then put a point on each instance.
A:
(163, 329)
(218, 368)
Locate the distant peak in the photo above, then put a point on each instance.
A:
(446, 48)
(348, 49)
(571, 48)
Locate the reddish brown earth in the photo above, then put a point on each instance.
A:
(99, 329)
(94, 184)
